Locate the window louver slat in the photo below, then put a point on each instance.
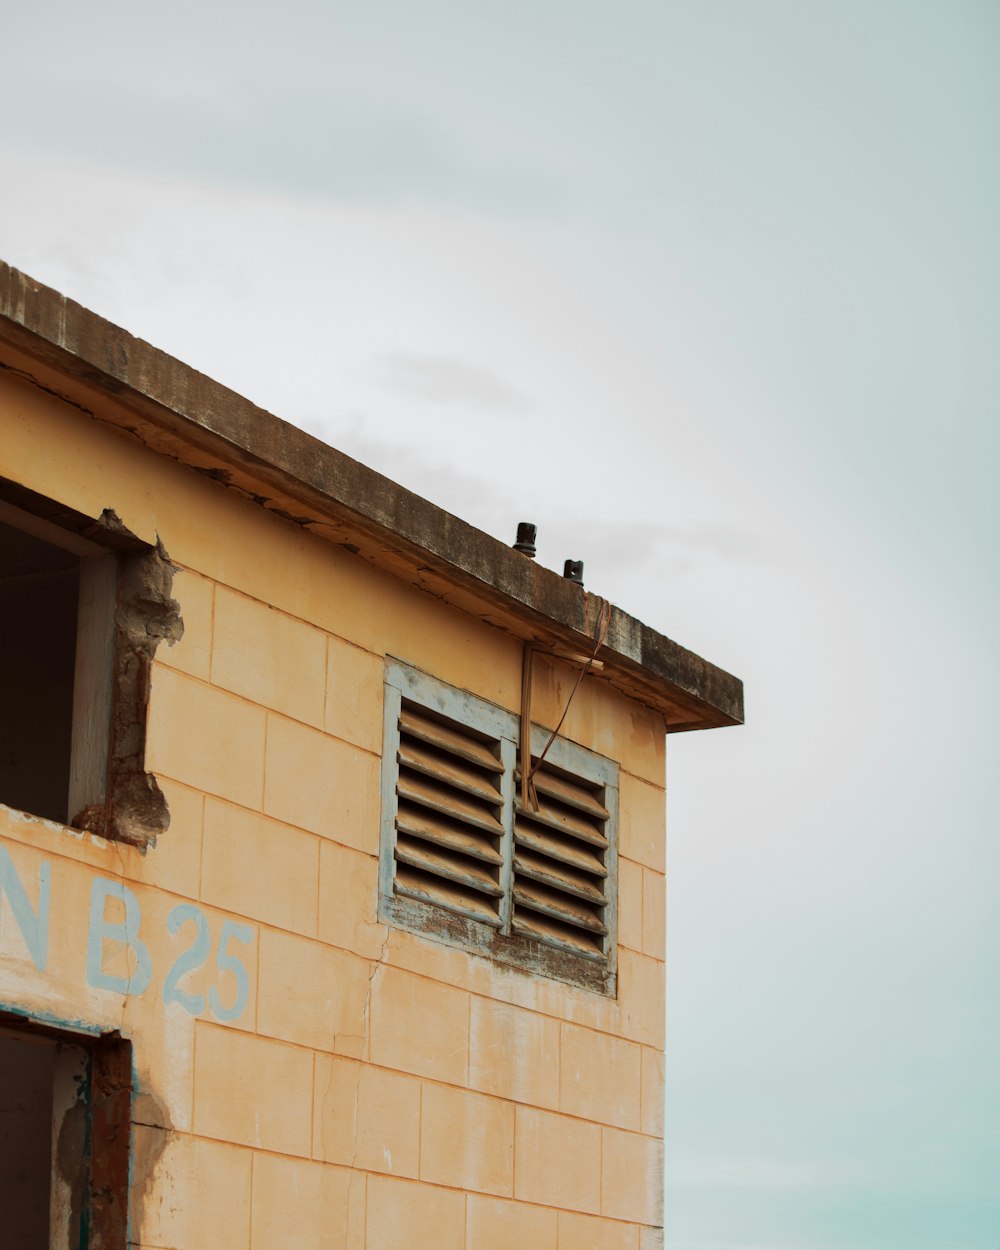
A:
(570, 792)
(559, 876)
(442, 864)
(564, 849)
(447, 770)
(566, 821)
(557, 904)
(542, 929)
(450, 802)
(441, 893)
(460, 742)
(448, 826)
(421, 823)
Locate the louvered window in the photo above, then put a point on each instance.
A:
(561, 863)
(465, 862)
(449, 815)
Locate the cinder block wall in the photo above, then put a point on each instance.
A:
(307, 1077)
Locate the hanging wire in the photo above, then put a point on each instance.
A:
(529, 797)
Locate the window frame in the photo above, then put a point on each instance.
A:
(125, 611)
(90, 715)
(498, 943)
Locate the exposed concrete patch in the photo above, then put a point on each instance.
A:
(134, 808)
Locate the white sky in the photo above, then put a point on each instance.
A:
(710, 292)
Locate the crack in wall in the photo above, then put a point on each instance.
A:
(30, 378)
(377, 963)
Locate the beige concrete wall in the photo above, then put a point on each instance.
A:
(308, 1077)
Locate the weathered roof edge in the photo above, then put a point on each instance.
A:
(177, 405)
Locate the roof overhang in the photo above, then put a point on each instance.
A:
(179, 412)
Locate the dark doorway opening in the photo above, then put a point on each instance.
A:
(65, 1105)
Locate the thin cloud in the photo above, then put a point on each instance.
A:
(610, 548)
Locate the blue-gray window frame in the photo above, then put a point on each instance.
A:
(498, 943)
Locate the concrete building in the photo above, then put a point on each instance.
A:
(302, 944)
